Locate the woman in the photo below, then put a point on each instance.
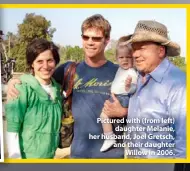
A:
(35, 116)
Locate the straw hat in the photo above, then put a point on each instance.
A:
(150, 30)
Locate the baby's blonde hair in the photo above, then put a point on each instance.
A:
(120, 44)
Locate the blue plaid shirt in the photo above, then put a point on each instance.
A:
(159, 107)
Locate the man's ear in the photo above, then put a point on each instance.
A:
(162, 51)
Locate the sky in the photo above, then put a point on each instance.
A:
(67, 21)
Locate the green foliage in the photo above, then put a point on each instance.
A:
(71, 53)
(37, 26)
(33, 26)
(110, 52)
(179, 62)
(110, 55)
(183, 68)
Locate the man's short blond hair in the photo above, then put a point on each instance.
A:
(98, 22)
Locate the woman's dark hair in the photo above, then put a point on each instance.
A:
(38, 46)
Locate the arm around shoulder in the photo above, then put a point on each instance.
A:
(59, 72)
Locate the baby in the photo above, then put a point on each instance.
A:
(119, 87)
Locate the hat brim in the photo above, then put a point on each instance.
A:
(124, 38)
(173, 49)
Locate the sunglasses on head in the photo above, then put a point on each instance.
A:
(94, 38)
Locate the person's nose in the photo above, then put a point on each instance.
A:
(90, 41)
(45, 65)
(125, 59)
(136, 53)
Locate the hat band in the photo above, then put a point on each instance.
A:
(166, 43)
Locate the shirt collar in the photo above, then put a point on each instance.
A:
(158, 73)
(34, 83)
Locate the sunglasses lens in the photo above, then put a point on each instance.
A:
(96, 39)
(85, 37)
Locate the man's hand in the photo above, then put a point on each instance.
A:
(12, 92)
(114, 109)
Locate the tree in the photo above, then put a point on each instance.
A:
(70, 53)
(33, 26)
(110, 51)
(110, 55)
(77, 54)
(179, 62)
(10, 40)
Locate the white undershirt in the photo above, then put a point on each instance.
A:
(13, 146)
(118, 84)
(48, 89)
(12, 138)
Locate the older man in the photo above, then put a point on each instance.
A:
(159, 104)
